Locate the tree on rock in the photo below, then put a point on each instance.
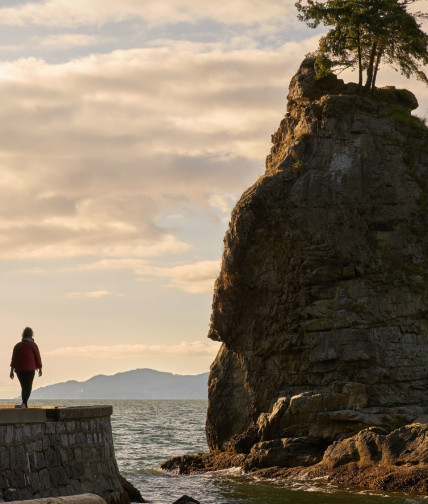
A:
(366, 33)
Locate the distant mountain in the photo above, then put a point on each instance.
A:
(137, 384)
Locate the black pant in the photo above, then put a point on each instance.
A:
(26, 380)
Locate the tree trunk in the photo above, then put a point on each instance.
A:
(376, 68)
(371, 66)
(360, 62)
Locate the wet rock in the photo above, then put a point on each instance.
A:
(186, 500)
(407, 446)
(133, 493)
(287, 452)
(203, 462)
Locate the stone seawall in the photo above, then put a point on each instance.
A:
(50, 452)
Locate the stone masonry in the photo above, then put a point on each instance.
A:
(58, 452)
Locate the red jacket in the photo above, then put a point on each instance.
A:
(26, 357)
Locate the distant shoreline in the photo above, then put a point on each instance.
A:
(131, 385)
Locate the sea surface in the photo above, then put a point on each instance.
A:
(146, 432)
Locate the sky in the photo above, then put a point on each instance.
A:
(128, 130)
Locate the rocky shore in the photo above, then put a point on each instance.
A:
(369, 460)
(321, 304)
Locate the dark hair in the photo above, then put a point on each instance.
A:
(27, 332)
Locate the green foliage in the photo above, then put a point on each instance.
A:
(365, 33)
(404, 117)
(323, 65)
(298, 165)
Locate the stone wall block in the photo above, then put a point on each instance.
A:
(54, 474)
(53, 458)
(63, 476)
(70, 426)
(40, 461)
(64, 439)
(60, 427)
(36, 430)
(50, 427)
(71, 489)
(4, 458)
(12, 459)
(112, 466)
(78, 470)
(17, 433)
(7, 474)
(101, 452)
(8, 436)
(21, 457)
(87, 487)
(78, 453)
(21, 481)
(55, 440)
(64, 456)
(87, 454)
(45, 480)
(75, 486)
(11, 478)
(35, 482)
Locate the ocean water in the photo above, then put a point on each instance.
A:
(146, 432)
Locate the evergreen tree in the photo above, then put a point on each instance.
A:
(366, 33)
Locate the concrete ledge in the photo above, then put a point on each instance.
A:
(13, 415)
(71, 499)
(80, 412)
(22, 416)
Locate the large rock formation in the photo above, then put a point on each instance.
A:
(322, 303)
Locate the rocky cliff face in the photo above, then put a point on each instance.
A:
(322, 302)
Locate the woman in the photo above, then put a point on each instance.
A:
(25, 360)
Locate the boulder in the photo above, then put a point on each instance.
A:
(132, 492)
(407, 446)
(185, 499)
(286, 452)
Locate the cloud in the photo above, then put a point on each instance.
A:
(58, 13)
(193, 278)
(75, 245)
(196, 348)
(67, 41)
(223, 202)
(95, 151)
(92, 294)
